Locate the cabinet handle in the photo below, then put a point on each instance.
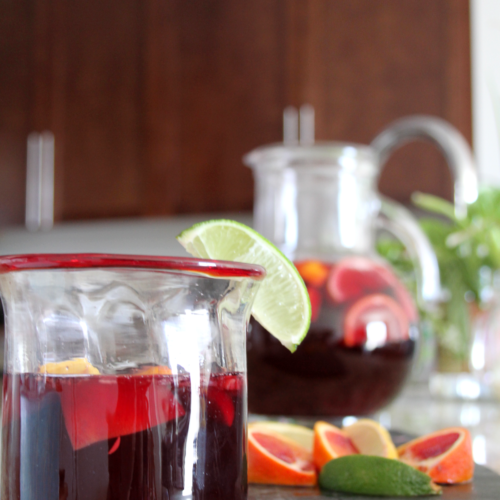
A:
(40, 182)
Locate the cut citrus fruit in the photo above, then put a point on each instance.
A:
(353, 277)
(154, 370)
(375, 476)
(76, 366)
(282, 304)
(330, 443)
(313, 272)
(276, 459)
(370, 438)
(298, 433)
(375, 320)
(315, 297)
(445, 455)
(107, 406)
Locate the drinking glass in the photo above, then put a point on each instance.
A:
(125, 377)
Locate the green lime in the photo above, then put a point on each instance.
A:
(282, 304)
(377, 476)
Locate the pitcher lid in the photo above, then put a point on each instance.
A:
(348, 156)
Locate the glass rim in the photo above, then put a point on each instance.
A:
(54, 261)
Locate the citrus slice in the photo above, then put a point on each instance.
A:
(76, 366)
(375, 320)
(445, 455)
(298, 433)
(276, 459)
(330, 443)
(353, 277)
(375, 476)
(282, 304)
(104, 407)
(370, 438)
(154, 370)
(313, 272)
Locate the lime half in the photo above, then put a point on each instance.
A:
(282, 304)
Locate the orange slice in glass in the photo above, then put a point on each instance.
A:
(276, 459)
(75, 366)
(445, 455)
(154, 370)
(330, 442)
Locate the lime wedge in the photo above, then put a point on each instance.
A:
(282, 304)
(377, 476)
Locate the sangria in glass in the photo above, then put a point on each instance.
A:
(125, 377)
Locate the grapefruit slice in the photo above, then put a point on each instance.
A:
(101, 407)
(276, 459)
(313, 272)
(445, 455)
(355, 276)
(315, 297)
(330, 442)
(375, 320)
(370, 438)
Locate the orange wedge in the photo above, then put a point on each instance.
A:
(75, 366)
(445, 455)
(154, 370)
(313, 272)
(330, 442)
(370, 438)
(276, 459)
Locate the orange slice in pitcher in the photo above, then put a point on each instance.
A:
(276, 459)
(445, 455)
(330, 442)
(313, 272)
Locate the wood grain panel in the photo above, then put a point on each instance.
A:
(15, 77)
(154, 102)
(369, 63)
(102, 159)
(232, 81)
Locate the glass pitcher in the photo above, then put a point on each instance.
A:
(318, 202)
(125, 377)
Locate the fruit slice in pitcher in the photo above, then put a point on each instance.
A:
(375, 320)
(355, 276)
(98, 408)
(445, 455)
(313, 272)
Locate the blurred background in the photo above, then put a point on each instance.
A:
(152, 103)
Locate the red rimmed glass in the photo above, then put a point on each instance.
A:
(125, 377)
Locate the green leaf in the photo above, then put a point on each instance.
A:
(434, 204)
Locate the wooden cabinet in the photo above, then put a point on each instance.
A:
(154, 102)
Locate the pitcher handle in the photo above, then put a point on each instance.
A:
(399, 221)
(448, 139)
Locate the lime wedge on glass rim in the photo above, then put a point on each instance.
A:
(282, 304)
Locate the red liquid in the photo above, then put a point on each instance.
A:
(130, 437)
(356, 355)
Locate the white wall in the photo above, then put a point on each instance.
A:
(485, 33)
